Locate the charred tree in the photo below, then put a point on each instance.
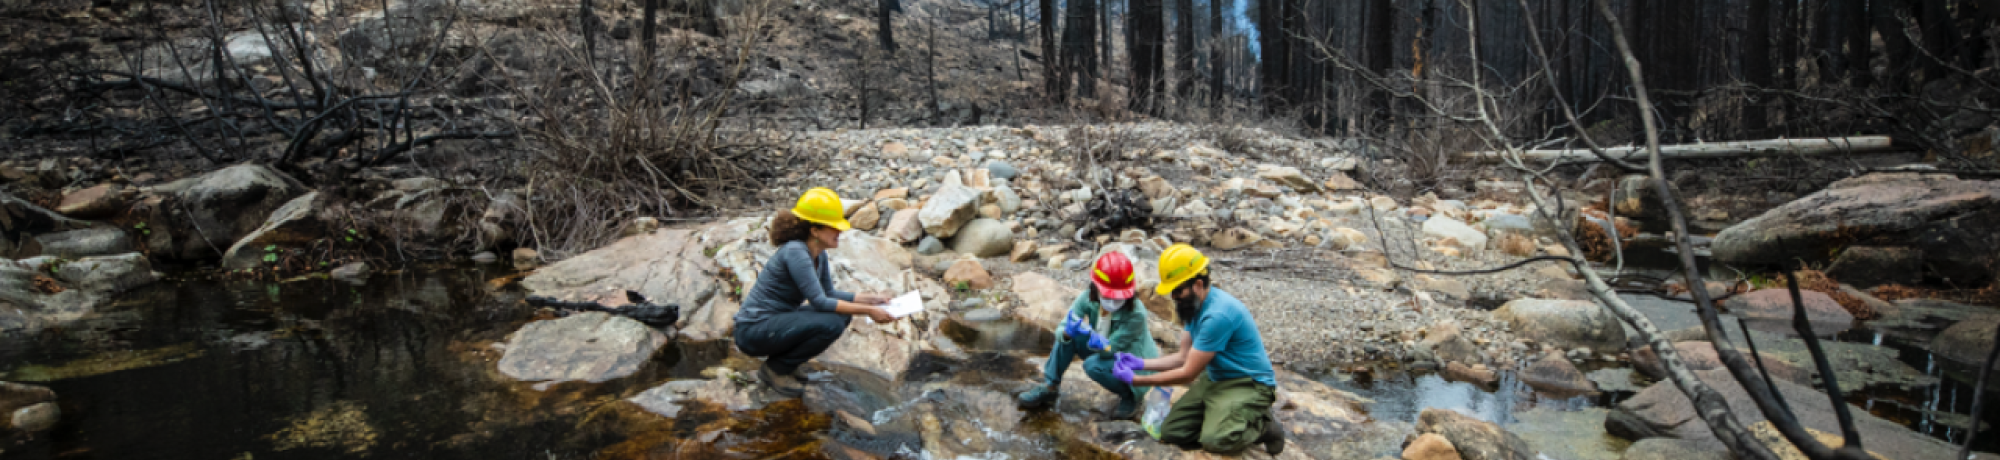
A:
(1052, 71)
(1217, 66)
(1887, 17)
(1184, 74)
(1079, 53)
(1757, 60)
(1149, 37)
(1381, 49)
(1855, 25)
(882, 27)
(1276, 58)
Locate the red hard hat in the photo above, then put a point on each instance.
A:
(1113, 276)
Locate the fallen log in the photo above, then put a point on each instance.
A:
(1770, 147)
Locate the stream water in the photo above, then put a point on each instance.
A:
(402, 367)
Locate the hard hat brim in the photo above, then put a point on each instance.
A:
(837, 224)
(1110, 293)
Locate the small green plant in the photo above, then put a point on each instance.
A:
(962, 286)
(141, 227)
(271, 254)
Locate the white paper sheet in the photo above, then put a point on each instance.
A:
(905, 305)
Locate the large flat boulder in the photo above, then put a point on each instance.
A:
(1967, 341)
(1564, 323)
(592, 347)
(667, 266)
(1949, 220)
(1662, 411)
(1776, 304)
(45, 291)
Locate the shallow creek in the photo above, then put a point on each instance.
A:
(402, 367)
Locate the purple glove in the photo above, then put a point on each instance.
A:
(1125, 366)
(1097, 342)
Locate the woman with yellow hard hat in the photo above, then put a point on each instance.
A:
(794, 313)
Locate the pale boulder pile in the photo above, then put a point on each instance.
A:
(1295, 234)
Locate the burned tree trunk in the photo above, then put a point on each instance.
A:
(1184, 74)
(1079, 54)
(882, 27)
(1052, 72)
(1216, 67)
(1148, 33)
(1757, 60)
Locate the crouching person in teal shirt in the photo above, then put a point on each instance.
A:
(1104, 322)
(1231, 385)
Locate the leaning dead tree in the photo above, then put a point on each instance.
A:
(1481, 115)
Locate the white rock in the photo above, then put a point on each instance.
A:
(1446, 227)
(950, 208)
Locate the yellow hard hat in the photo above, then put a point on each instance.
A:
(1178, 264)
(821, 206)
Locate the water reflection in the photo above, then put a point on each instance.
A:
(1402, 396)
(398, 368)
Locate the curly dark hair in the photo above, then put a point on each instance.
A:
(787, 227)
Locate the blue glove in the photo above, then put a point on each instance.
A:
(1097, 342)
(1124, 367)
(1075, 326)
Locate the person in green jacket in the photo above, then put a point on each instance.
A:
(1104, 322)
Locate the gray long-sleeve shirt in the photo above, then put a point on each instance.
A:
(791, 280)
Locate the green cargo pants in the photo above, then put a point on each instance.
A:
(1221, 417)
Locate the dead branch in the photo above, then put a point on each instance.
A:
(1771, 147)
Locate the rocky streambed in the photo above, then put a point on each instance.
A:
(445, 362)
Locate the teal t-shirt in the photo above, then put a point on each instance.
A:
(1224, 327)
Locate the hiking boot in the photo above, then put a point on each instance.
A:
(1039, 397)
(784, 384)
(1273, 438)
(1128, 407)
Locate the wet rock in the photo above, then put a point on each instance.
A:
(1473, 438)
(1555, 374)
(95, 241)
(947, 210)
(1776, 304)
(220, 207)
(1700, 356)
(1662, 411)
(592, 347)
(1967, 341)
(36, 418)
(1673, 449)
(1870, 266)
(29, 408)
(904, 227)
(668, 399)
(1444, 227)
(1447, 342)
(96, 202)
(21, 221)
(352, 271)
(108, 275)
(525, 258)
(485, 257)
(970, 273)
(1459, 372)
(1564, 323)
(1783, 448)
(293, 224)
(1430, 446)
(1949, 220)
(984, 238)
